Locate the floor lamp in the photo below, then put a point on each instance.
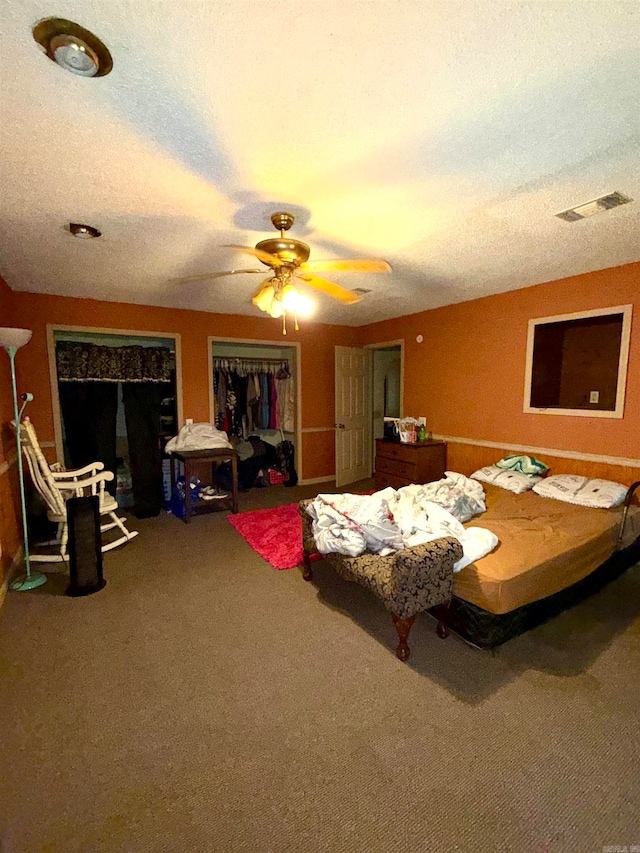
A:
(12, 340)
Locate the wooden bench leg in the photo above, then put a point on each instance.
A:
(403, 626)
(443, 617)
(307, 571)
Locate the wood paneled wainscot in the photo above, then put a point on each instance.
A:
(402, 464)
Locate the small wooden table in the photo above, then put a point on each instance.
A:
(190, 460)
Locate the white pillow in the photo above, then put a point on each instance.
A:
(584, 491)
(514, 481)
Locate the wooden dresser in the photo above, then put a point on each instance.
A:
(402, 464)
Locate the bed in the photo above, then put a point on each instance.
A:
(550, 556)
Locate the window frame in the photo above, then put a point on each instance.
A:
(625, 337)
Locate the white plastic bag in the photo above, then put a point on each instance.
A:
(202, 436)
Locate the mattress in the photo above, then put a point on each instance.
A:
(544, 546)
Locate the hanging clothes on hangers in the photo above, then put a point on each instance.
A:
(246, 394)
(286, 399)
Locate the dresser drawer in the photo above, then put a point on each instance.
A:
(406, 470)
(395, 450)
(384, 480)
(401, 464)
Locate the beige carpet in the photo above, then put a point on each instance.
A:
(205, 702)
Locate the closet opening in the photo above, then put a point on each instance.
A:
(255, 399)
(116, 402)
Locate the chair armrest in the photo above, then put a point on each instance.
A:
(84, 482)
(92, 468)
(422, 576)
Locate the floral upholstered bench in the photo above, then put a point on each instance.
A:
(406, 582)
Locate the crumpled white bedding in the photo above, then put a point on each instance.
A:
(390, 520)
(462, 496)
(351, 524)
(201, 436)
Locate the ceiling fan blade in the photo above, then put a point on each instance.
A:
(209, 275)
(346, 265)
(267, 257)
(331, 289)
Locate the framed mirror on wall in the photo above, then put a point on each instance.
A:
(577, 363)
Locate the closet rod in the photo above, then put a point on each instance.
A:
(250, 363)
(236, 360)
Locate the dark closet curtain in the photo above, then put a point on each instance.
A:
(142, 413)
(89, 411)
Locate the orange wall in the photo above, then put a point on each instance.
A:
(7, 442)
(317, 357)
(467, 377)
(9, 489)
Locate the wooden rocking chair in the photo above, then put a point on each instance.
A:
(56, 485)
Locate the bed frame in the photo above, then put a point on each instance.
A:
(487, 630)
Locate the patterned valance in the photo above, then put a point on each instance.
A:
(80, 362)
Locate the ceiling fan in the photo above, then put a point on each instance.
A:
(289, 259)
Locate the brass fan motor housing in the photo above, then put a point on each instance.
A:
(293, 252)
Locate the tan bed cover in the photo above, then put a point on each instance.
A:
(545, 546)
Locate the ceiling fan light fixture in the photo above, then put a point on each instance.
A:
(277, 309)
(278, 297)
(73, 48)
(288, 259)
(264, 297)
(296, 302)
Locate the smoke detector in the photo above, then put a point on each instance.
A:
(590, 208)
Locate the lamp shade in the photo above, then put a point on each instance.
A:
(14, 338)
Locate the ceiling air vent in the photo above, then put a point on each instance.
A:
(598, 205)
(360, 290)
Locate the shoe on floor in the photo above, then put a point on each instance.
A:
(209, 493)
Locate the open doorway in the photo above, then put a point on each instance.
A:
(116, 401)
(368, 388)
(386, 386)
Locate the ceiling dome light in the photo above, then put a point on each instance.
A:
(73, 48)
(75, 56)
(86, 231)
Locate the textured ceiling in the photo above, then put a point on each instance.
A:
(439, 135)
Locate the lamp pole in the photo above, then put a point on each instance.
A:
(29, 580)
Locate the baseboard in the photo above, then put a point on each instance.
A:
(315, 480)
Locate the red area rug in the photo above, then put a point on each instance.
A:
(276, 534)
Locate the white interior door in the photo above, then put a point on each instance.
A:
(353, 415)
